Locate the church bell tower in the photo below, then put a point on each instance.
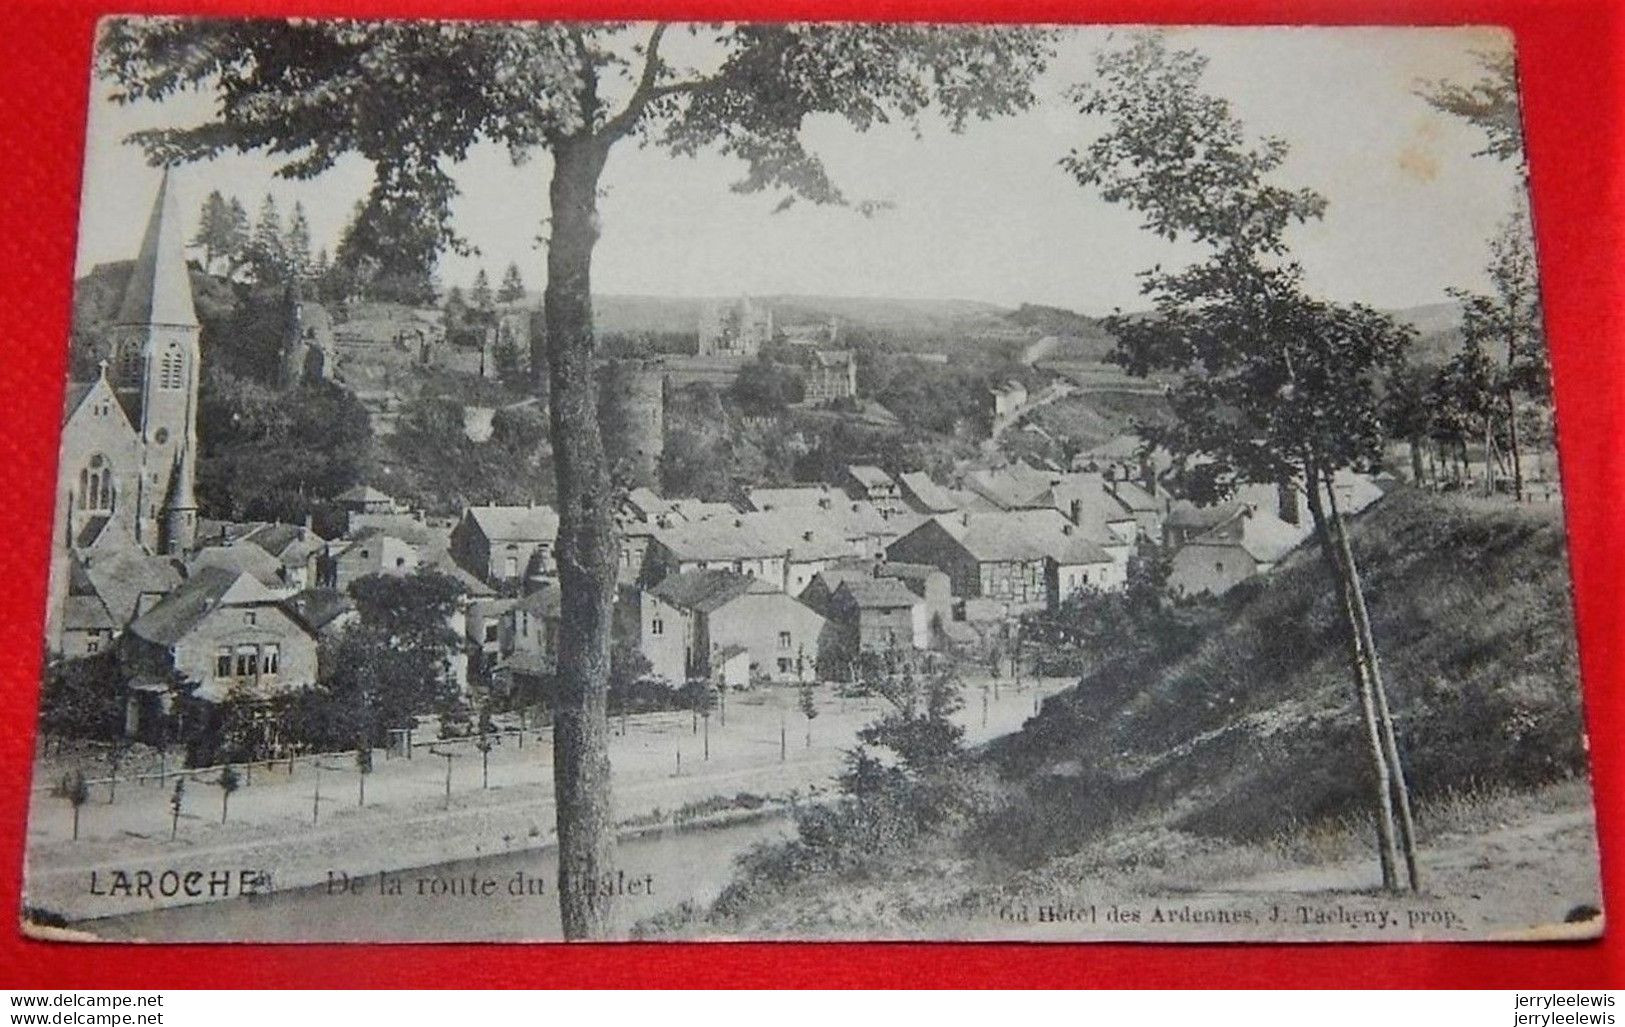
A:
(156, 365)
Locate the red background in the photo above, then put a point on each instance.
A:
(1570, 68)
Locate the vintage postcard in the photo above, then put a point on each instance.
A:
(537, 481)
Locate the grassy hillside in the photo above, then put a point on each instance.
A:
(1252, 726)
(1227, 751)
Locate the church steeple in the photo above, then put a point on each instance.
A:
(156, 365)
(160, 292)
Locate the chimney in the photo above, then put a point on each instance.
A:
(1287, 500)
(310, 522)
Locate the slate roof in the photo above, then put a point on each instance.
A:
(121, 579)
(73, 396)
(861, 518)
(404, 526)
(1264, 537)
(870, 476)
(1020, 535)
(160, 290)
(240, 558)
(1135, 497)
(721, 539)
(927, 493)
(694, 510)
(1185, 514)
(1011, 488)
(86, 613)
(1096, 508)
(796, 497)
(908, 571)
(646, 503)
(364, 494)
(832, 357)
(542, 604)
(877, 593)
(316, 608)
(290, 543)
(516, 523)
(702, 590)
(91, 531)
(805, 538)
(205, 591)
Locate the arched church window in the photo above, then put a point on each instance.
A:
(171, 373)
(96, 485)
(129, 365)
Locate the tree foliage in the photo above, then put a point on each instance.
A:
(1490, 103)
(1269, 377)
(276, 454)
(512, 289)
(83, 698)
(1273, 386)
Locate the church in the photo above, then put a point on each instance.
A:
(129, 436)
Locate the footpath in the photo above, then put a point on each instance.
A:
(288, 830)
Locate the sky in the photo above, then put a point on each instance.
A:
(984, 215)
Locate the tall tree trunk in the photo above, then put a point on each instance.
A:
(585, 548)
(1512, 444)
(1512, 400)
(1417, 477)
(1373, 666)
(1387, 842)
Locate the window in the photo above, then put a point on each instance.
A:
(657, 627)
(400, 561)
(1218, 567)
(171, 369)
(511, 568)
(96, 485)
(524, 623)
(271, 658)
(93, 645)
(784, 640)
(491, 632)
(248, 661)
(249, 617)
(784, 665)
(129, 365)
(222, 663)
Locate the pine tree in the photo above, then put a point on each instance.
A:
(214, 230)
(237, 234)
(513, 286)
(481, 293)
(296, 245)
(267, 254)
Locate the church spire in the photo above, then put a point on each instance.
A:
(160, 291)
(179, 511)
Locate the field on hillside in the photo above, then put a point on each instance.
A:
(1219, 779)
